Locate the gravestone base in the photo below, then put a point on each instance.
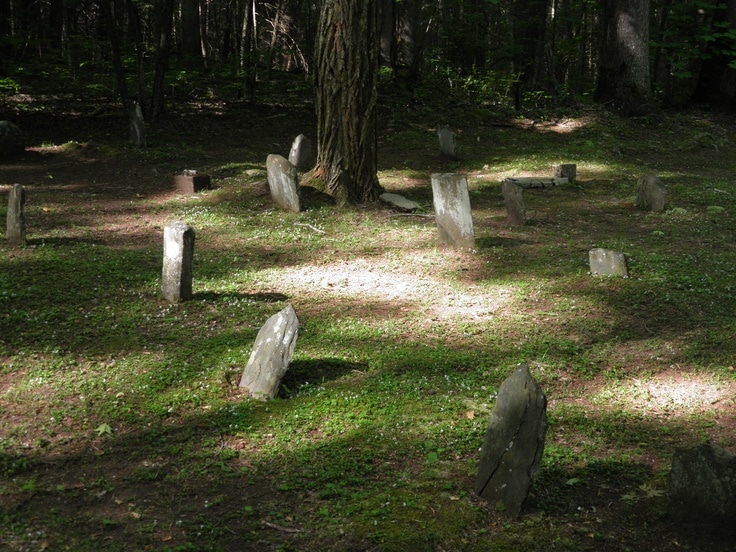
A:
(189, 182)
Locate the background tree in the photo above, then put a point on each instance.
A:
(623, 74)
(346, 72)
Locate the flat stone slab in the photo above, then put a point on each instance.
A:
(528, 182)
(400, 202)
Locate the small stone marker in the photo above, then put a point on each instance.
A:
(605, 262)
(11, 139)
(189, 182)
(651, 193)
(283, 182)
(272, 352)
(514, 443)
(567, 170)
(703, 487)
(177, 271)
(16, 219)
(137, 125)
(513, 198)
(447, 142)
(452, 210)
(400, 202)
(301, 149)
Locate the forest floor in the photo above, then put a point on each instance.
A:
(121, 425)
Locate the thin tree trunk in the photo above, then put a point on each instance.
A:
(163, 48)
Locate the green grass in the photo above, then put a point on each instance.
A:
(122, 423)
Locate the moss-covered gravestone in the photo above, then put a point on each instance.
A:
(514, 443)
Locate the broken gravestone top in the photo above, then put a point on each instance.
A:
(400, 202)
(514, 443)
(271, 355)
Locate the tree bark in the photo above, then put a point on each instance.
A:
(164, 25)
(623, 75)
(346, 55)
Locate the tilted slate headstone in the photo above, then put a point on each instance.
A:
(513, 198)
(177, 273)
(514, 443)
(11, 139)
(271, 355)
(567, 170)
(604, 262)
(283, 182)
(651, 193)
(703, 487)
(400, 202)
(301, 149)
(16, 219)
(447, 142)
(452, 210)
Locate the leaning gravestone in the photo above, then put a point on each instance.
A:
(177, 273)
(271, 355)
(513, 198)
(651, 193)
(514, 443)
(301, 149)
(452, 210)
(16, 219)
(703, 487)
(283, 183)
(447, 142)
(604, 262)
(11, 139)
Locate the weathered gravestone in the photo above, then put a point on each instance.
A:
(604, 262)
(514, 443)
(271, 355)
(11, 139)
(283, 183)
(447, 142)
(567, 170)
(177, 273)
(513, 198)
(301, 150)
(651, 193)
(452, 210)
(16, 219)
(400, 202)
(703, 487)
(189, 182)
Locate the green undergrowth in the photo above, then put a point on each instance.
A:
(121, 419)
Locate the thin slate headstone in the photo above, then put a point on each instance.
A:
(177, 274)
(16, 219)
(271, 355)
(301, 150)
(513, 198)
(604, 262)
(283, 183)
(189, 182)
(567, 170)
(514, 443)
(651, 193)
(703, 487)
(11, 139)
(452, 210)
(447, 142)
(400, 202)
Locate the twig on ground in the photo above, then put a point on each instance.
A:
(280, 527)
(310, 226)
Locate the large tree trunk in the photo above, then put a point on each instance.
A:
(346, 71)
(623, 75)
